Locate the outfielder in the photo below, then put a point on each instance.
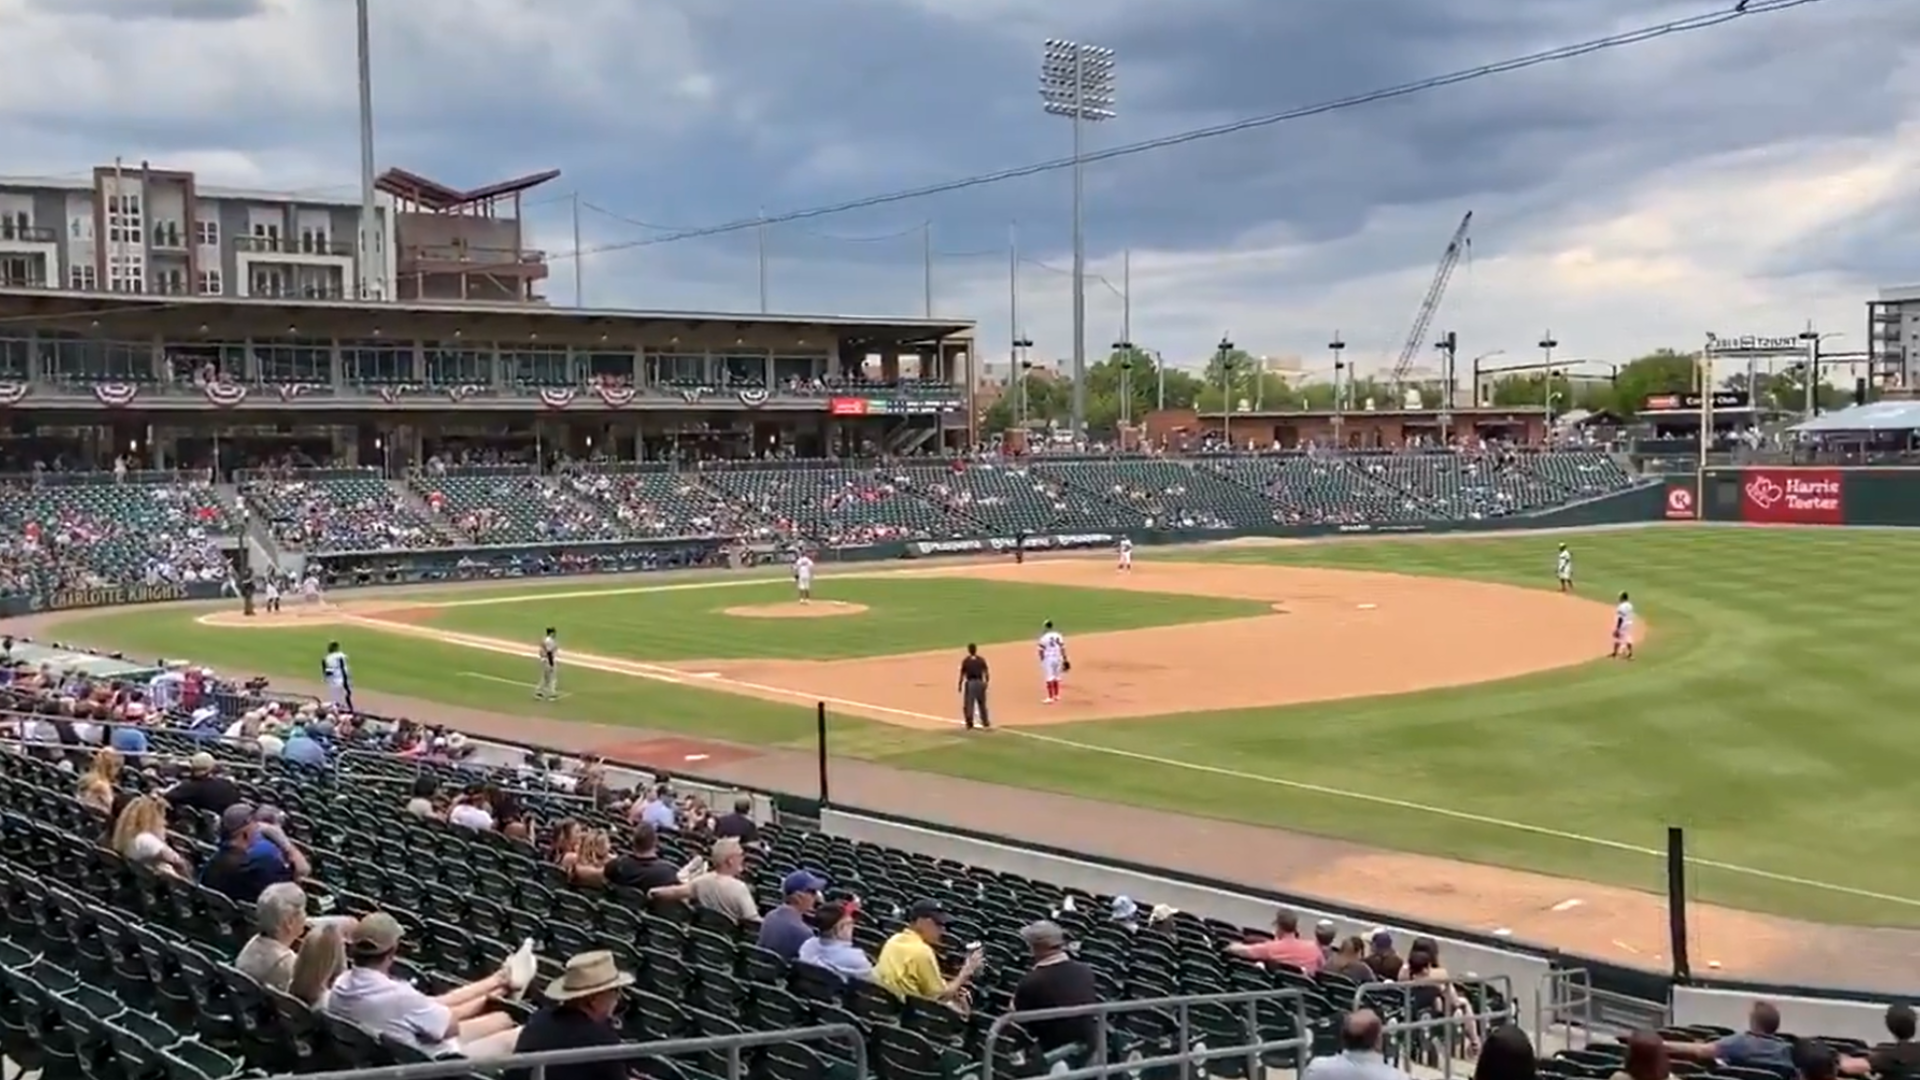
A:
(803, 576)
(1563, 569)
(1126, 553)
(333, 672)
(1053, 661)
(549, 688)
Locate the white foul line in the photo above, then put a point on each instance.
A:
(658, 673)
(506, 682)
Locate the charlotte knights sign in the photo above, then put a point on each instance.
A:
(1755, 345)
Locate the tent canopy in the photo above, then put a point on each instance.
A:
(1878, 416)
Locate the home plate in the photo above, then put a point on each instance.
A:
(1567, 905)
(695, 757)
(1367, 607)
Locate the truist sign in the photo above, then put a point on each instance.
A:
(1792, 497)
(1755, 345)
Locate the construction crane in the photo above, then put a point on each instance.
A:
(1430, 306)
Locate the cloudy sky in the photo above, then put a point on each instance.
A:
(1742, 179)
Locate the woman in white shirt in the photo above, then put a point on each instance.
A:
(140, 837)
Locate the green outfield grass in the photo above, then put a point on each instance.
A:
(904, 614)
(1766, 713)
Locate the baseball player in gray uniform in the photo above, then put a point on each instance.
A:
(549, 688)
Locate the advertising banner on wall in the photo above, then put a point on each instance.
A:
(1680, 504)
(1792, 497)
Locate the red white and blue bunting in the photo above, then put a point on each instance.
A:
(753, 398)
(225, 394)
(115, 394)
(12, 393)
(616, 397)
(556, 397)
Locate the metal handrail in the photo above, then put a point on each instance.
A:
(1501, 984)
(1182, 1005)
(536, 1064)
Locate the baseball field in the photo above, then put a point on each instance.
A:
(1423, 726)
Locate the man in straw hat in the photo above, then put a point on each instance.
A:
(579, 1016)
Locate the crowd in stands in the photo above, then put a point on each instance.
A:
(66, 531)
(354, 891)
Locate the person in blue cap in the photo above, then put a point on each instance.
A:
(788, 926)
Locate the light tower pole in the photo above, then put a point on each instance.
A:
(1076, 81)
(1547, 345)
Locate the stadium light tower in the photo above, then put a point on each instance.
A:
(1076, 81)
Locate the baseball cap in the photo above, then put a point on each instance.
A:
(928, 909)
(802, 881)
(375, 935)
(236, 817)
(201, 762)
(1382, 939)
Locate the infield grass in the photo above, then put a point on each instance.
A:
(1766, 713)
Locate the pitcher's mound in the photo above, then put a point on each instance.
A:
(302, 615)
(818, 609)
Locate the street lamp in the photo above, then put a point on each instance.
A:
(1125, 349)
(1076, 81)
(1338, 346)
(1813, 340)
(1547, 345)
(1226, 390)
(1477, 402)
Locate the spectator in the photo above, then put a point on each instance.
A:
(95, 792)
(786, 928)
(641, 866)
(280, 920)
(909, 967)
(1359, 1057)
(579, 1016)
(1325, 938)
(720, 887)
(425, 789)
(303, 749)
(204, 788)
(1814, 1060)
(128, 739)
(455, 1022)
(1647, 1058)
(1285, 947)
(253, 855)
(739, 824)
(1899, 1059)
(1056, 981)
(832, 945)
(322, 960)
(657, 810)
(587, 863)
(1760, 1046)
(106, 766)
(1386, 963)
(1350, 960)
(473, 810)
(140, 837)
(1507, 1055)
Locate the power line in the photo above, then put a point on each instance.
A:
(1745, 9)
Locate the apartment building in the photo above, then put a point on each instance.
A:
(157, 231)
(1893, 338)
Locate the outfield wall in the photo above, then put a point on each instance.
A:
(1811, 495)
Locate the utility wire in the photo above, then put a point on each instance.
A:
(1744, 9)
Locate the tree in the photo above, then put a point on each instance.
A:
(1660, 372)
(1530, 391)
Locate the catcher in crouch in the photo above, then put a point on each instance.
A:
(1053, 660)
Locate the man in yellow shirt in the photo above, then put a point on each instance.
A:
(909, 967)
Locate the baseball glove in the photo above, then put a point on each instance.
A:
(1066, 665)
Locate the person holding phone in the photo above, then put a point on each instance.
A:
(909, 966)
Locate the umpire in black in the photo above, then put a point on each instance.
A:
(973, 688)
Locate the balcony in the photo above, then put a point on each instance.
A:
(14, 232)
(166, 236)
(468, 259)
(293, 247)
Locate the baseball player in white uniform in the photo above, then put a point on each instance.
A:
(1623, 629)
(549, 688)
(1126, 553)
(310, 589)
(1563, 569)
(270, 589)
(803, 576)
(1053, 660)
(333, 672)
